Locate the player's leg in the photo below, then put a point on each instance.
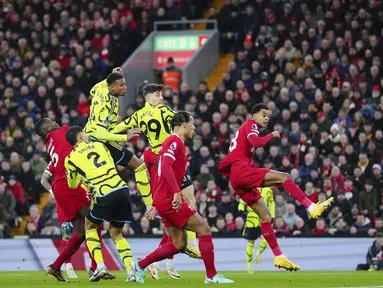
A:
(66, 233)
(198, 225)
(189, 197)
(262, 246)
(177, 245)
(126, 158)
(273, 178)
(249, 255)
(123, 248)
(263, 212)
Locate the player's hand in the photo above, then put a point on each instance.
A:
(177, 201)
(276, 134)
(133, 133)
(117, 70)
(151, 213)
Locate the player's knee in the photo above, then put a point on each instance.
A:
(284, 177)
(204, 229)
(180, 244)
(267, 218)
(115, 233)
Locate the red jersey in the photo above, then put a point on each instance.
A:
(57, 149)
(243, 145)
(172, 161)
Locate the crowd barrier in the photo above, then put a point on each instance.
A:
(310, 253)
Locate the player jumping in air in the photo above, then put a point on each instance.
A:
(176, 214)
(92, 164)
(245, 179)
(154, 120)
(252, 230)
(73, 203)
(103, 118)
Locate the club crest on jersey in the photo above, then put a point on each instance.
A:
(173, 146)
(254, 127)
(107, 120)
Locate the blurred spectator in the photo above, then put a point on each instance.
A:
(8, 202)
(280, 227)
(320, 227)
(300, 228)
(290, 217)
(361, 225)
(50, 229)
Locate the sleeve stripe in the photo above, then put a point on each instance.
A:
(48, 172)
(170, 155)
(252, 133)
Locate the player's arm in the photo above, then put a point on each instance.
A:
(131, 122)
(73, 177)
(45, 178)
(256, 141)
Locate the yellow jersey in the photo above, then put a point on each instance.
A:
(92, 164)
(104, 110)
(252, 219)
(154, 122)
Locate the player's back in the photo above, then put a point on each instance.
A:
(240, 148)
(92, 160)
(173, 148)
(57, 149)
(154, 122)
(104, 109)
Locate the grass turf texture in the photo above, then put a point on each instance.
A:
(195, 279)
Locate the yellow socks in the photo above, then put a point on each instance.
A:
(94, 245)
(124, 251)
(262, 246)
(192, 238)
(249, 251)
(143, 184)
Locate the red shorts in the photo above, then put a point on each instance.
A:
(150, 160)
(172, 218)
(245, 180)
(70, 201)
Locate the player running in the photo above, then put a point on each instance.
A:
(252, 230)
(245, 179)
(103, 118)
(154, 120)
(92, 163)
(72, 203)
(176, 214)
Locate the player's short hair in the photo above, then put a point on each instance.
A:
(39, 127)
(181, 117)
(113, 77)
(71, 134)
(152, 88)
(258, 107)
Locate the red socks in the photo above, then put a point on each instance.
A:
(164, 251)
(165, 239)
(206, 247)
(70, 248)
(269, 235)
(63, 244)
(294, 191)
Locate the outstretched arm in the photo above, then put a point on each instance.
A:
(131, 122)
(257, 141)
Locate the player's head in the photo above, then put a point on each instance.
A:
(261, 114)
(44, 126)
(153, 93)
(75, 135)
(183, 124)
(116, 84)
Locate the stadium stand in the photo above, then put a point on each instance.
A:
(317, 65)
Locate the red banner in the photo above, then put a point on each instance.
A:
(181, 58)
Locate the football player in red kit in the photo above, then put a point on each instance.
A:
(245, 179)
(74, 204)
(178, 216)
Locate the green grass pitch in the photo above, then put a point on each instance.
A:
(195, 279)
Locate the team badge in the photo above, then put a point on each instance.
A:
(173, 146)
(107, 120)
(254, 127)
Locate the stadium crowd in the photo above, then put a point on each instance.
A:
(317, 67)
